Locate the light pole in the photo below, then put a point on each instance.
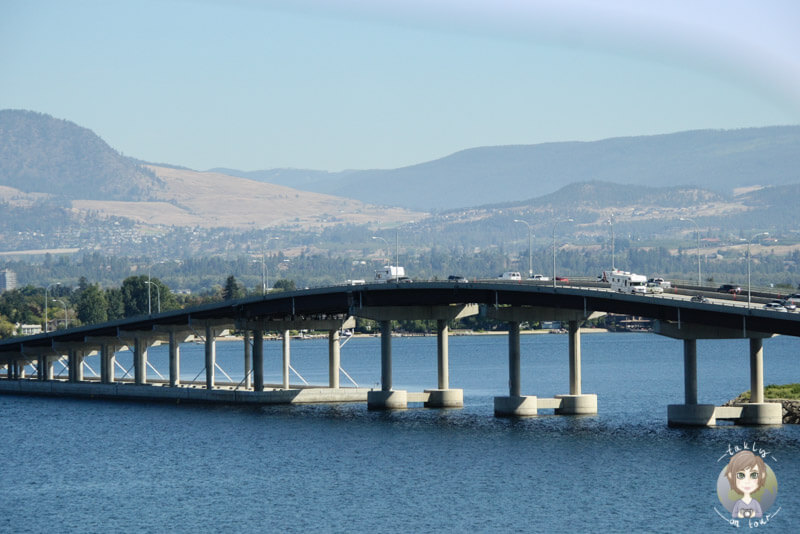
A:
(554, 247)
(610, 221)
(264, 280)
(697, 233)
(748, 264)
(530, 247)
(46, 298)
(396, 252)
(158, 295)
(66, 316)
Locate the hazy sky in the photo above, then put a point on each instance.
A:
(363, 84)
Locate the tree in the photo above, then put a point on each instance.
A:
(232, 290)
(92, 305)
(134, 296)
(284, 285)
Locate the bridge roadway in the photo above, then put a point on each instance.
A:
(333, 309)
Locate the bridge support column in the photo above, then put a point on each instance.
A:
(758, 412)
(248, 361)
(47, 363)
(287, 354)
(576, 403)
(140, 346)
(444, 397)
(174, 360)
(75, 365)
(107, 359)
(41, 368)
(211, 356)
(693, 414)
(258, 360)
(334, 359)
(515, 404)
(386, 398)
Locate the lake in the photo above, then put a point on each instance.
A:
(99, 466)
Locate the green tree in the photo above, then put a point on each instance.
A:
(115, 304)
(233, 290)
(284, 285)
(92, 305)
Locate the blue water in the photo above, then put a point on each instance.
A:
(96, 466)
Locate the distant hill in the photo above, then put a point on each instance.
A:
(718, 160)
(39, 153)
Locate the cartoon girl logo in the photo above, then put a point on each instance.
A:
(747, 486)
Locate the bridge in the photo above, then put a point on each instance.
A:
(334, 308)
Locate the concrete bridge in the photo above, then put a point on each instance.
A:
(332, 309)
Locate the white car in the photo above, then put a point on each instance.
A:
(539, 278)
(775, 306)
(511, 275)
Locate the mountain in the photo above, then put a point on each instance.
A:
(39, 153)
(719, 160)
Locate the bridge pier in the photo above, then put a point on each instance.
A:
(287, 354)
(516, 404)
(107, 360)
(211, 355)
(334, 358)
(75, 364)
(443, 396)
(692, 413)
(248, 360)
(258, 360)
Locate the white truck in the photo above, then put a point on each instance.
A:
(391, 273)
(625, 282)
(511, 275)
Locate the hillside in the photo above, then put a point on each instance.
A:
(717, 160)
(41, 154)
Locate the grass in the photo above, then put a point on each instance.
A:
(773, 391)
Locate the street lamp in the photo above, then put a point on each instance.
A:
(697, 232)
(46, 298)
(748, 264)
(554, 247)
(66, 315)
(396, 252)
(530, 247)
(264, 279)
(158, 295)
(610, 221)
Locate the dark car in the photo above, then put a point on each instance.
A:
(456, 278)
(562, 279)
(729, 288)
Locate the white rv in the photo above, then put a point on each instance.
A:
(390, 273)
(625, 282)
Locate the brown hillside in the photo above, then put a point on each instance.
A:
(206, 199)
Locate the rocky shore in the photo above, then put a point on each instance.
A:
(791, 407)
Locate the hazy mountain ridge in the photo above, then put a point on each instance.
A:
(39, 153)
(717, 160)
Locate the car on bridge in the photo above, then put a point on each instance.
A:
(539, 278)
(775, 306)
(700, 298)
(729, 288)
(457, 278)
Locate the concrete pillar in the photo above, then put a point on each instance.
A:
(514, 351)
(258, 360)
(574, 358)
(690, 371)
(75, 364)
(756, 370)
(386, 398)
(40, 368)
(107, 359)
(248, 360)
(442, 353)
(286, 358)
(10, 370)
(49, 373)
(211, 357)
(174, 360)
(140, 361)
(334, 358)
(386, 355)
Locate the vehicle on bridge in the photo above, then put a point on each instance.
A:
(733, 289)
(457, 278)
(511, 275)
(391, 273)
(539, 278)
(664, 284)
(701, 299)
(626, 282)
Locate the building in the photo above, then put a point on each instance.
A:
(8, 280)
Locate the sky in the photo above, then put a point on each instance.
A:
(370, 84)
